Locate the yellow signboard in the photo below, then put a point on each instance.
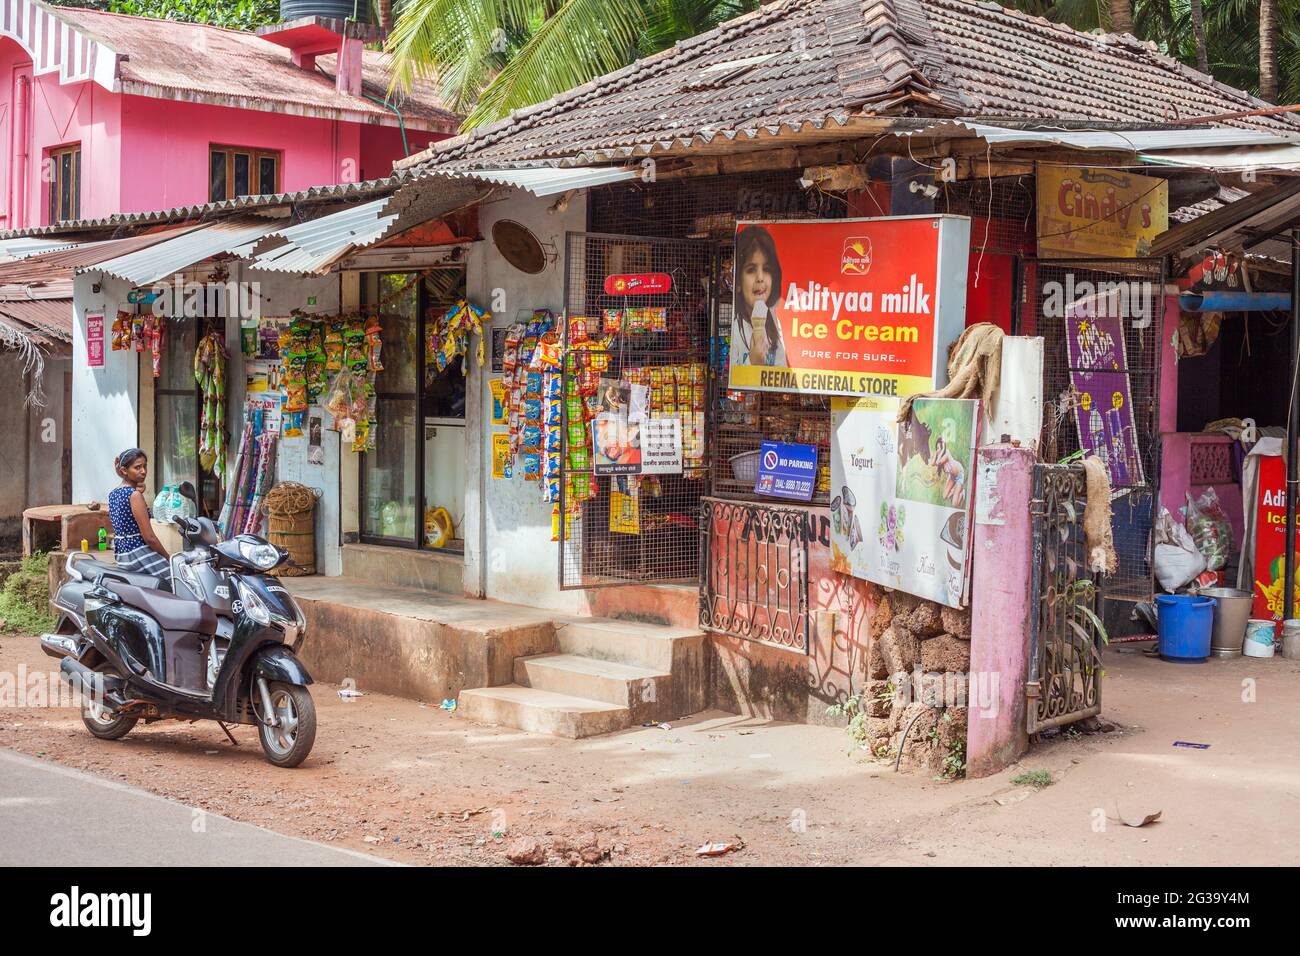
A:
(1101, 213)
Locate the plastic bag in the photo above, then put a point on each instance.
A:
(1210, 528)
(1174, 554)
(339, 397)
(170, 503)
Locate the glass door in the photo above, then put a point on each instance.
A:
(413, 483)
(176, 416)
(390, 473)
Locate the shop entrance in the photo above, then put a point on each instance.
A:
(1100, 320)
(636, 364)
(413, 483)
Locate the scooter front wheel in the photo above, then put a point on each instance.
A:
(288, 743)
(103, 724)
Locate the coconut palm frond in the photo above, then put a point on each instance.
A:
(581, 40)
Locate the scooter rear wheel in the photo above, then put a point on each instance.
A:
(289, 743)
(103, 724)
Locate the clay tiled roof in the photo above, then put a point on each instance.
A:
(201, 63)
(801, 65)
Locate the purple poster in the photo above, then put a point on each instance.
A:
(1099, 373)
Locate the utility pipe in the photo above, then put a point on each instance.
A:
(1226, 301)
(1292, 420)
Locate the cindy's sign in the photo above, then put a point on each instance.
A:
(1099, 212)
(856, 307)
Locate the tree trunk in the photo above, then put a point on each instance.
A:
(1268, 50)
(1121, 16)
(385, 14)
(1198, 31)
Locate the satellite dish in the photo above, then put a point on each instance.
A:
(518, 246)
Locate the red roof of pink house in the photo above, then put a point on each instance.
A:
(167, 59)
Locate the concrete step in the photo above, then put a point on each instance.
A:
(637, 688)
(651, 646)
(542, 711)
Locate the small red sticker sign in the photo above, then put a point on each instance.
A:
(638, 283)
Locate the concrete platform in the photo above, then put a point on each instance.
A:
(506, 664)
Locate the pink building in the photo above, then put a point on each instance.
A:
(102, 113)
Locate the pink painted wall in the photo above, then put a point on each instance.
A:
(1000, 612)
(56, 116)
(140, 154)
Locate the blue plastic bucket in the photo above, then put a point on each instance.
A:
(1186, 625)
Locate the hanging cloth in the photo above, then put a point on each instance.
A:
(210, 374)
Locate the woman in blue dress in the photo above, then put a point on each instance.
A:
(135, 546)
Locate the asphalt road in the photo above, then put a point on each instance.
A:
(54, 816)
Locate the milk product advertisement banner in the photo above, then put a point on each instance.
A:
(902, 494)
(847, 306)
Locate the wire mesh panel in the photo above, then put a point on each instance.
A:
(636, 361)
(1100, 321)
(1064, 675)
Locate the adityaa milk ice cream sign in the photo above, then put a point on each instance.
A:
(848, 306)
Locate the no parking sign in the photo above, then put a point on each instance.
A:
(787, 471)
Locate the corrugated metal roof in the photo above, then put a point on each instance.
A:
(1269, 158)
(314, 246)
(311, 246)
(49, 318)
(163, 259)
(1236, 225)
(61, 264)
(28, 246)
(546, 180)
(342, 191)
(1135, 140)
(37, 328)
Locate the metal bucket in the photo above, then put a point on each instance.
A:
(1231, 612)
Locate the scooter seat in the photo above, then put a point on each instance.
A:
(90, 569)
(171, 612)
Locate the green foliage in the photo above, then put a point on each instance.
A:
(851, 707)
(1038, 779)
(25, 600)
(494, 56)
(1231, 34)
(231, 14)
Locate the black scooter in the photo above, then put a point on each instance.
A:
(137, 651)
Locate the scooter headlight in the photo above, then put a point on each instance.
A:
(254, 606)
(259, 554)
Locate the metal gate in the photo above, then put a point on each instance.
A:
(1085, 406)
(754, 572)
(618, 528)
(1064, 673)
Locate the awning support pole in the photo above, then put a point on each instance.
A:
(1292, 419)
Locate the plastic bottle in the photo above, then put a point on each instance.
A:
(85, 546)
(103, 539)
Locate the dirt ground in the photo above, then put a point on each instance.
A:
(419, 785)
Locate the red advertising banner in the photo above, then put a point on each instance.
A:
(95, 339)
(847, 306)
(639, 283)
(1270, 540)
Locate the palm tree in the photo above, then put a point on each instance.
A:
(1268, 50)
(494, 56)
(1198, 33)
(1121, 16)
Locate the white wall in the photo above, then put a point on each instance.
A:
(509, 554)
(105, 401)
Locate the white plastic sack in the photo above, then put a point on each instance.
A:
(1175, 555)
(170, 503)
